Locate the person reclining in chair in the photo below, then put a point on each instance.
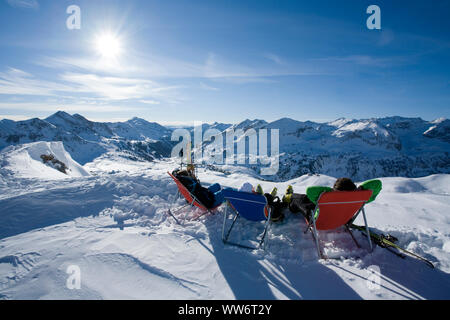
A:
(301, 203)
(210, 197)
(272, 200)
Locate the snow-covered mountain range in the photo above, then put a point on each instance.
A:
(86, 140)
(361, 149)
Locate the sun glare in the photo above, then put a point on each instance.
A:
(108, 45)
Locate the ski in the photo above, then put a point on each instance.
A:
(387, 242)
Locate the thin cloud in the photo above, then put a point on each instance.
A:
(157, 67)
(86, 87)
(113, 88)
(120, 88)
(220, 70)
(275, 58)
(153, 102)
(245, 80)
(24, 4)
(366, 60)
(208, 87)
(18, 82)
(68, 107)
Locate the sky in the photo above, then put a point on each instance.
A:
(176, 61)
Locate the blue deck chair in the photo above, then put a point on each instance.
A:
(251, 207)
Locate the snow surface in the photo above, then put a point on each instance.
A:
(113, 225)
(25, 161)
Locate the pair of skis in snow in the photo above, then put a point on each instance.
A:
(388, 242)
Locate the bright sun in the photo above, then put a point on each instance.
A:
(108, 45)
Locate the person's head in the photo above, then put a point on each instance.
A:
(246, 187)
(344, 184)
(180, 173)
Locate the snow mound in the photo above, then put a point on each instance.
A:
(437, 184)
(25, 161)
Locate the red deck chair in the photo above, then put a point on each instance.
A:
(335, 209)
(191, 201)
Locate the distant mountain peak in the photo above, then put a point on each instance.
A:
(137, 119)
(61, 114)
(340, 122)
(248, 124)
(439, 120)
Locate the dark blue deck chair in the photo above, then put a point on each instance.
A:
(251, 207)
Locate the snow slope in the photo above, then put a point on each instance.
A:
(113, 225)
(25, 161)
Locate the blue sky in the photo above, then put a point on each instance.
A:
(225, 61)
